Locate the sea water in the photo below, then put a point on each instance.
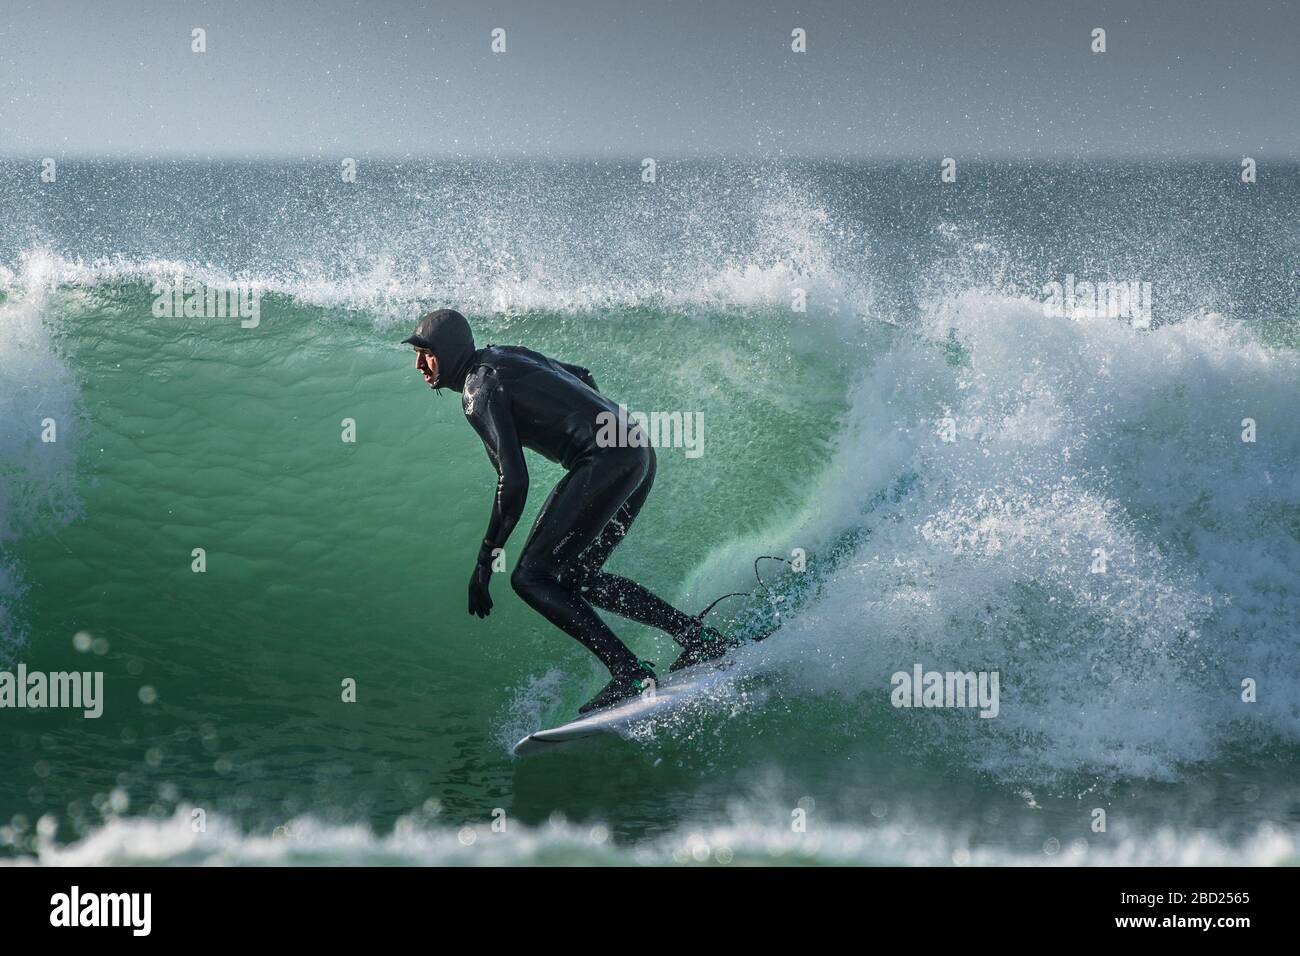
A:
(1101, 508)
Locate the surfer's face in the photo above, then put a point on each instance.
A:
(427, 363)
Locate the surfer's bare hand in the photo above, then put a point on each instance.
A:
(480, 602)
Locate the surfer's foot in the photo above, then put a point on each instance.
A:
(621, 689)
(701, 644)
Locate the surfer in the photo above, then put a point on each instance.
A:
(516, 398)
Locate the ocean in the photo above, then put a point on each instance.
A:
(1104, 509)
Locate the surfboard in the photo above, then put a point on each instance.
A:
(672, 692)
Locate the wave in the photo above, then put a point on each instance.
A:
(1072, 505)
(988, 457)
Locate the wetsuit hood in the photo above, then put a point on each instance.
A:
(446, 333)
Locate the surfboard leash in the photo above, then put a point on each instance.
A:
(761, 584)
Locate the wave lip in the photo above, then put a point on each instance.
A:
(489, 239)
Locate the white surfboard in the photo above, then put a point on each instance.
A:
(672, 692)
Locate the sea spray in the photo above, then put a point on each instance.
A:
(39, 432)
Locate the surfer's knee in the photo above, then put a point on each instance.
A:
(528, 578)
(522, 580)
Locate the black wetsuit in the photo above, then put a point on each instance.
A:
(517, 398)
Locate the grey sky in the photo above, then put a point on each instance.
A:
(634, 78)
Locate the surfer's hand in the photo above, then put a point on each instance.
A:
(480, 602)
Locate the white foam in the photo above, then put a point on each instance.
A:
(1070, 437)
(748, 836)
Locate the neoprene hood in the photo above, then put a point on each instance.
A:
(446, 333)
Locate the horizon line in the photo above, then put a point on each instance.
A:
(625, 158)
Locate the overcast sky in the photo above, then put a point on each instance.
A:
(633, 78)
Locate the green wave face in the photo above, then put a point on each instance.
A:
(329, 560)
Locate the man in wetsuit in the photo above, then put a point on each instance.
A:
(517, 398)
